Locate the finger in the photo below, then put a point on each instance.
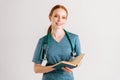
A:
(66, 69)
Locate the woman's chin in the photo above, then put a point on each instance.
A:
(59, 27)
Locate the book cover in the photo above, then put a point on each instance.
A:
(71, 64)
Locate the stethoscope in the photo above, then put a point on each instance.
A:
(46, 45)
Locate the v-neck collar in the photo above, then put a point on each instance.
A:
(57, 41)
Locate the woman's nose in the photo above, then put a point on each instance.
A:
(59, 19)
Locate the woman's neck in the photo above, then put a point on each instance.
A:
(57, 32)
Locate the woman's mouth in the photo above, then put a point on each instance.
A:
(58, 24)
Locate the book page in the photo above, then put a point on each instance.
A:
(77, 59)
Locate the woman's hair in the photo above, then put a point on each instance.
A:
(51, 12)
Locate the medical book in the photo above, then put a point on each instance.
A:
(71, 64)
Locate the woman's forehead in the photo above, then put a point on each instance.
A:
(60, 11)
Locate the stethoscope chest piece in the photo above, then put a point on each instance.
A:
(73, 54)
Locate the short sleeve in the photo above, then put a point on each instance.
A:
(77, 46)
(37, 53)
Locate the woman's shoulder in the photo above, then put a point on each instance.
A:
(43, 38)
(72, 35)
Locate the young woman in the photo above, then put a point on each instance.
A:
(57, 47)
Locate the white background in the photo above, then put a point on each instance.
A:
(97, 22)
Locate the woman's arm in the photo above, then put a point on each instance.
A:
(38, 68)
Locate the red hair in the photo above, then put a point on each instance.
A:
(51, 12)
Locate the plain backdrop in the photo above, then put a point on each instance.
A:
(97, 22)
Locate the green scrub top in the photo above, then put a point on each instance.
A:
(57, 51)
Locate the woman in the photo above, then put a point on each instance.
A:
(58, 47)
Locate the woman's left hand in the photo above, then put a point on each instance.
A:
(67, 69)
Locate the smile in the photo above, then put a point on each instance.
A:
(59, 24)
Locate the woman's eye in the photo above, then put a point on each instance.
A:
(63, 17)
(55, 16)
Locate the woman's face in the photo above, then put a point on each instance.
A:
(58, 18)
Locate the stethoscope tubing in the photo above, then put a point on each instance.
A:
(44, 54)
